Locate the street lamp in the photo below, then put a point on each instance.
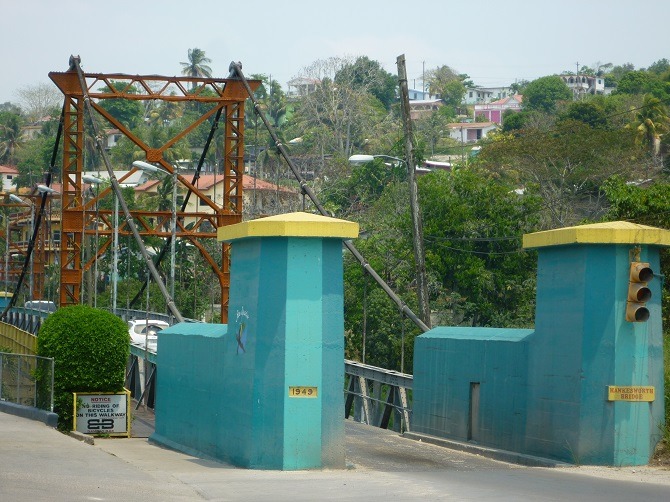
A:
(43, 189)
(95, 181)
(24, 202)
(145, 166)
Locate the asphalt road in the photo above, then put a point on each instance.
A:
(40, 464)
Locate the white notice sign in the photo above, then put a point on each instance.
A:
(102, 414)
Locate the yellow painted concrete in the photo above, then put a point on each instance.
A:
(290, 225)
(613, 232)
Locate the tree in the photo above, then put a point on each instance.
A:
(337, 116)
(568, 164)
(32, 161)
(473, 225)
(10, 136)
(544, 93)
(588, 112)
(369, 76)
(648, 206)
(197, 64)
(39, 101)
(128, 112)
(519, 87)
(659, 67)
(651, 121)
(452, 93)
(432, 127)
(439, 77)
(90, 348)
(636, 82)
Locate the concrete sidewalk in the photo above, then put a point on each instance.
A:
(39, 463)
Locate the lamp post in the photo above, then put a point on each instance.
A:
(6, 249)
(94, 181)
(145, 166)
(24, 202)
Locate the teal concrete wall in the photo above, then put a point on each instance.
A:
(191, 417)
(286, 327)
(448, 360)
(545, 393)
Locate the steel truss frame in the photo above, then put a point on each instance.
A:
(78, 217)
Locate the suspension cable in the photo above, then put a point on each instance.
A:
(37, 219)
(236, 72)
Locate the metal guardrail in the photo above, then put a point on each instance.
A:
(27, 380)
(141, 376)
(377, 396)
(26, 319)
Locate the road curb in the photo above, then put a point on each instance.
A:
(48, 417)
(84, 438)
(485, 451)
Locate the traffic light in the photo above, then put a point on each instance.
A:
(638, 292)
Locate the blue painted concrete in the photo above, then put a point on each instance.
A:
(226, 394)
(544, 392)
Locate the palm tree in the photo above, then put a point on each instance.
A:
(651, 121)
(197, 64)
(10, 137)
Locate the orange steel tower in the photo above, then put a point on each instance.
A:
(78, 217)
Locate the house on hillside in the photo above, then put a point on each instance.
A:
(259, 197)
(486, 94)
(8, 176)
(420, 107)
(470, 132)
(584, 84)
(301, 86)
(493, 112)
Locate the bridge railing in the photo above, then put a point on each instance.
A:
(27, 380)
(377, 396)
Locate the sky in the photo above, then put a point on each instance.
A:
(494, 42)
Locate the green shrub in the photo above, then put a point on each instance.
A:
(90, 348)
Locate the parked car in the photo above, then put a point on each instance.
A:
(41, 306)
(144, 333)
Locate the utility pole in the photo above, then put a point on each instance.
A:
(417, 224)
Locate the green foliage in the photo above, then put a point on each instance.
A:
(588, 112)
(472, 227)
(544, 93)
(197, 65)
(90, 348)
(369, 76)
(651, 121)
(640, 82)
(33, 159)
(513, 121)
(567, 164)
(351, 194)
(10, 136)
(128, 112)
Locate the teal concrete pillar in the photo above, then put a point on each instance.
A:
(283, 362)
(595, 380)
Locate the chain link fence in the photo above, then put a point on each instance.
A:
(27, 380)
